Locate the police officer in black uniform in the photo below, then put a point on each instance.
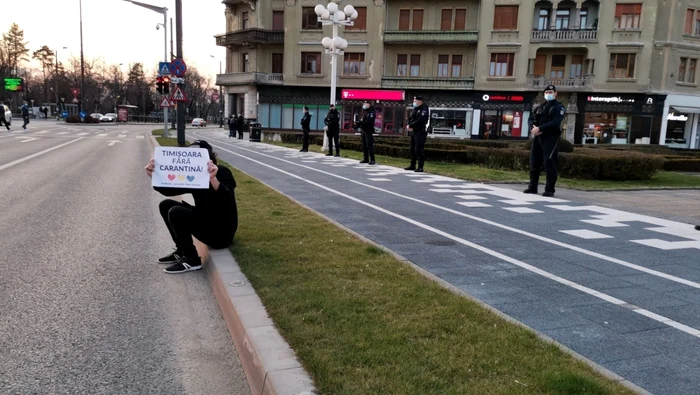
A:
(545, 126)
(366, 123)
(306, 128)
(333, 124)
(417, 127)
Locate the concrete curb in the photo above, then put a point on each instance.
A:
(270, 364)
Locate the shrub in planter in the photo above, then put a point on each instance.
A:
(682, 164)
(564, 146)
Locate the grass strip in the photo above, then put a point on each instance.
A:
(663, 179)
(362, 322)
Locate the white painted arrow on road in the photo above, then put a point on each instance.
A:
(27, 139)
(112, 142)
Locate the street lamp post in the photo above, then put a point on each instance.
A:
(164, 11)
(335, 46)
(221, 98)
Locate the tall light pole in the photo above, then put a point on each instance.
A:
(164, 11)
(82, 62)
(221, 98)
(55, 79)
(335, 46)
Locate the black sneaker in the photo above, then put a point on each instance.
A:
(372, 162)
(697, 227)
(419, 170)
(364, 161)
(530, 191)
(329, 154)
(410, 168)
(337, 155)
(185, 265)
(172, 258)
(548, 194)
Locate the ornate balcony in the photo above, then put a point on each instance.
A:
(427, 83)
(233, 79)
(537, 82)
(564, 36)
(252, 36)
(430, 37)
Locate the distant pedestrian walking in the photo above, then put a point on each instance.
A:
(232, 121)
(241, 126)
(333, 130)
(306, 129)
(25, 115)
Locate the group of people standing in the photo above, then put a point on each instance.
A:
(236, 124)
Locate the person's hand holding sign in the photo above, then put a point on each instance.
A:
(213, 169)
(150, 167)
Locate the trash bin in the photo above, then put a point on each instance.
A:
(255, 131)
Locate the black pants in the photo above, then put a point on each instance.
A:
(368, 145)
(418, 148)
(231, 131)
(26, 120)
(4, 122)
(305, 141)
(240, 133)
(182, 223)
(544, 152)
(333, 137)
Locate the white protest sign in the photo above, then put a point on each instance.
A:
(181, 168)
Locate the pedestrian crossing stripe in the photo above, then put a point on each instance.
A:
(179, 95)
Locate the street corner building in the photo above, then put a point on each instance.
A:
(626, 70)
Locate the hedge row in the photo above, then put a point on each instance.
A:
(583, 164)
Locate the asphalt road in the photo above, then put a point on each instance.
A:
(595, 272)
(84, 307)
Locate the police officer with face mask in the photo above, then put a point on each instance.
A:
(366, 123)
(417, 127)
(545, 126)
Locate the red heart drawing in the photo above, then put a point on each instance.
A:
(171, 177)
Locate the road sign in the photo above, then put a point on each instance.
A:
(172, 103)
(178, 67)
(64, 114)
(82, 114)
(179, 95)
(75, 91)
(165, 103)
(215, 96)
(75, 100)
(164, 68)
(177, 80)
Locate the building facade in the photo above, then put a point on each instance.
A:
(625, 69)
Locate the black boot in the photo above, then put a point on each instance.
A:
(371, 161)
(411, 167)
(364, 161)
(531, 191)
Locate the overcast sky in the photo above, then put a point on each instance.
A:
(118, 31)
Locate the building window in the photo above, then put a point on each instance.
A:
(576, 66)
(562, 21)
(309, 19)
(311, 63)
(354, 64)
(692, 22)
(543, 22)
(244, 20)
(622, 65)
(540, 66)
(361, 22)
(505, 17)
(501, 65)
(460, 19)
(557, 67)
(627, 16)
(415, 65)
(245, 65)
(411, 19)
(444, 66)
(686, 70)
(456, 66)
(277, 20)
(277, 63)
(401, 65)
(583, 18)
(446, 19)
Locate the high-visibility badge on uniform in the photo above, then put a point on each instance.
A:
(562, 111)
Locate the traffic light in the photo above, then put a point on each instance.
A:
(159, 84)
(166, 85)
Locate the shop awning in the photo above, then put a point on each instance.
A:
(686, 110)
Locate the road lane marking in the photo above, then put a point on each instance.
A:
(62, 132)
(102, 135)
(26, 139)
(492, 223)
(582, 288)
(112, 142)
(82, 134)
(121, 136)
(43, 132)
(139, 137)
(32, 156)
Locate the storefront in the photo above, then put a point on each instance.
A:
(682, 115)
(501, 115)
(620, 119)
(389, 106)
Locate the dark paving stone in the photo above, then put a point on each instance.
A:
(617, 319)
(692, 296)
(594, 280)
(498, 292)
(644, 298)
(654, 283)
(676, 344)
(599, 344)
(564, 296)
(539, 315)
(686, 314)
(659, 374)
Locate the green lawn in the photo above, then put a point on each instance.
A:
(362, 322)
(663, 179)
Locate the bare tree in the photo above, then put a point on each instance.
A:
(45, 56)
(15, 47)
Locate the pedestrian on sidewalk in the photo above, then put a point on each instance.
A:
(332, 122)
(366, 123)
(25, 115)
(232, 122)
(546, 132)
(417, 126)
(306, 129)
(213, 219)
(240, 125)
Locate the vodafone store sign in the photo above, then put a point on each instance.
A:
(372, 94)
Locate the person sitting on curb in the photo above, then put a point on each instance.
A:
(213, 220)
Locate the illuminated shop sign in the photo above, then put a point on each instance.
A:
(610, 99)
(518, 98)
(676, 117)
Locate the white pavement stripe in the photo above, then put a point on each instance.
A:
(379, 179)
(43, 132)
(62, 132)
(121, 136)
(102, 135)
(470, 197)
(82, 134)
(523, 210)
(496, 224)
(139, 137)
(496, 254)
(32, 156)
(586, 234)
(473, 204)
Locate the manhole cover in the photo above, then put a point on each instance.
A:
(441, 243)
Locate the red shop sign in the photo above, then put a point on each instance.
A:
(516, 98)
(372, 94)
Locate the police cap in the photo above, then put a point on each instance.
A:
(550, 88)
(419, 98)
